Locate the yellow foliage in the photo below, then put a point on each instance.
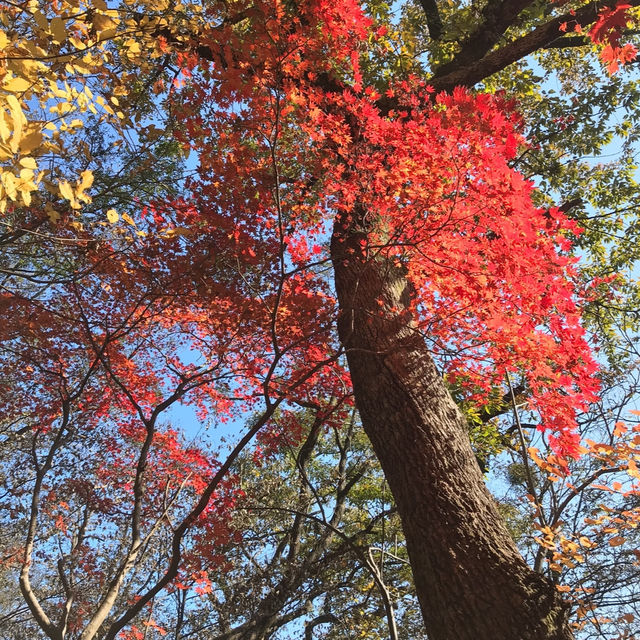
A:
(57, 69)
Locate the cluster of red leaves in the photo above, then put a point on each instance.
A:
(492, 276)
(90, 367)
(608, 30)
(281, 151)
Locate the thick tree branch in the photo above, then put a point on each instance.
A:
(470, 70)
(434, 23)
(322, 619)
(497, 17)
(39, 614)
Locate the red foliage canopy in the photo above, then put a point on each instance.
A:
(284, 144)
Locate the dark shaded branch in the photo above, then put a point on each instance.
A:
(496, 17)
(323, 619)
(469, 72)
(569, 42)
(434, 23)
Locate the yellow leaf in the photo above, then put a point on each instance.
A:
(86, 180)
(4, 41)
(133, 46)
(26, 175)
(77, 43)
(9, 182)
(112, 216)
(34, 49)
(27, 68)
(58, 30)
(177, 231)
(56, 90)
(5, 131)
(66, 191)
(107, 34)
(41, 20)
(127, 218)
(102, 102)
(585, 542)
(31, 142)
(18, 118)
(29, 163)
(102, 23)
(52, 214)
(17, 85)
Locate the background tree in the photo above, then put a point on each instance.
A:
(581, 528)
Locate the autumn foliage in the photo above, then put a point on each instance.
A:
(220, 300)
(281, 151)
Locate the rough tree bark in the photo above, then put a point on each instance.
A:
(470, 579)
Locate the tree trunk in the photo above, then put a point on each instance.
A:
(470, 579)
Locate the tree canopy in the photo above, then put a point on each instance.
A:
(296, 221)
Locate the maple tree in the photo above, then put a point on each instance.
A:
(216, 294)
